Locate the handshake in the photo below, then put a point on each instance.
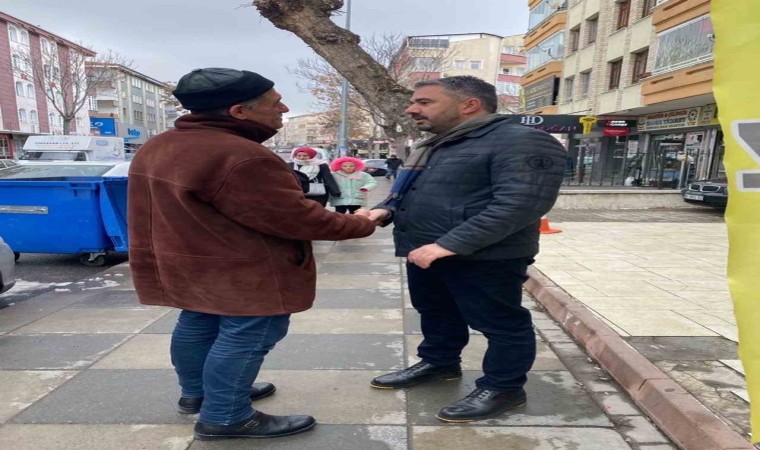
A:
(378, 216)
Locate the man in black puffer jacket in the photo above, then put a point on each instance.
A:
(467, 208)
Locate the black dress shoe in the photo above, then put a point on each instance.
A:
(482, 404)
(258, 426)
(421, 372)
(187, 405)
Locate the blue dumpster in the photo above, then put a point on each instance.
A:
(76, 215)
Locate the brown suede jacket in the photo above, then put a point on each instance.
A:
(218, 223)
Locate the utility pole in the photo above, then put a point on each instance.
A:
(343, 129)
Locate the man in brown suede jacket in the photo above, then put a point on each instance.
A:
(219, 227)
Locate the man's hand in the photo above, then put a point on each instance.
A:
(425, 255)
(376, 215)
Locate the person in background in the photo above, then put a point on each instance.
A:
(322, 185)
(393, 163)
(220, 228)
(354, 184)
(466, 209)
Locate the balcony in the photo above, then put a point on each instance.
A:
(553, 24)
(551, 68)
(675, 12)
(684, 83)
(107, 95)
(513, 59)
(509, 78)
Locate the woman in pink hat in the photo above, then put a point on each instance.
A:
(322, 185)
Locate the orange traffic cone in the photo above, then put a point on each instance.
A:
(546, 228)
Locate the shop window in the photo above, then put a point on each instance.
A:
(615, 71)
(5, 148)
(640, 65)
(624, 11)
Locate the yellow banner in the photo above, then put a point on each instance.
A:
(737, 67)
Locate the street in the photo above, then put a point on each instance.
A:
(40, 273)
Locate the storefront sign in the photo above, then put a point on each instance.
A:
(615, 131)
(682, 118)
(551, 123)
(540, 94)
(608, 123)
(106, 126)
(709, 115)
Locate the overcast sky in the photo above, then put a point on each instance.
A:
(168, 38)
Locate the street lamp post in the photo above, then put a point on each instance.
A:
(343, 129)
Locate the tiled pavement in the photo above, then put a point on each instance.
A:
(89, 370)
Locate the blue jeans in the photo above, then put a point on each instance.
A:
(219, 357)
(486, 296)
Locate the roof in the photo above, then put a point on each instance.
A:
(125, 69)
(42, 32)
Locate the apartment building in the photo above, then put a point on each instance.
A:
(498, 60)
(306, 130)
(40, 76)
(128, 104)
(643, 69)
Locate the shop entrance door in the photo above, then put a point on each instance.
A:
(664, 165)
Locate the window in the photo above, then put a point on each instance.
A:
(648, 7)
(151, 118)
(476, 65)
(22, 116)
(569, 86)
(30, 90)
(19, 89)
(17, 63)
(24, 37)
(548, 50)
(519, 71)
(585, 84)
(592, 25)
(137, 115)
(150, 102)
(124, 112)
(459, 64)
(432, 42)
(685, 45)
(33, 116)
(5, 148)
(13, 33)
(137, 99)
(506, 70)
(51, 119)
(615, 70)
(510, 50)
(624, 11)
(92, 103)
(640, 65)
(149, 88)
(508, 88)
(137, 83)
(424, 64)
(575, 37)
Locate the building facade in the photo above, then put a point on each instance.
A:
(642, 69)
(128, 104)
(496, 59)
(41, 75)
(306, 130)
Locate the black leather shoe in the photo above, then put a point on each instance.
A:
(258, 426)
(421, 372)
(188, 405)
(482, 404)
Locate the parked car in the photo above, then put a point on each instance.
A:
(7, 267)
(713, 192)
(375, 167)
(5, 163)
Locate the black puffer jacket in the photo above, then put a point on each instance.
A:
(483, 195)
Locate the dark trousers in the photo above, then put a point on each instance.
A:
(486, 296)
(350, 209)
(219, 357)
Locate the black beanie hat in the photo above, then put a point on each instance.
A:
(215, 87)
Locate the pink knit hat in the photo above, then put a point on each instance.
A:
(335, 165)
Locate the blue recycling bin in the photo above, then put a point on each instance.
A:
(75, 215)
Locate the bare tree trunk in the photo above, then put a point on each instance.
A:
(66, 126)
(310, 21)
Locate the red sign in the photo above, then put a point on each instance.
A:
(613, 131)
